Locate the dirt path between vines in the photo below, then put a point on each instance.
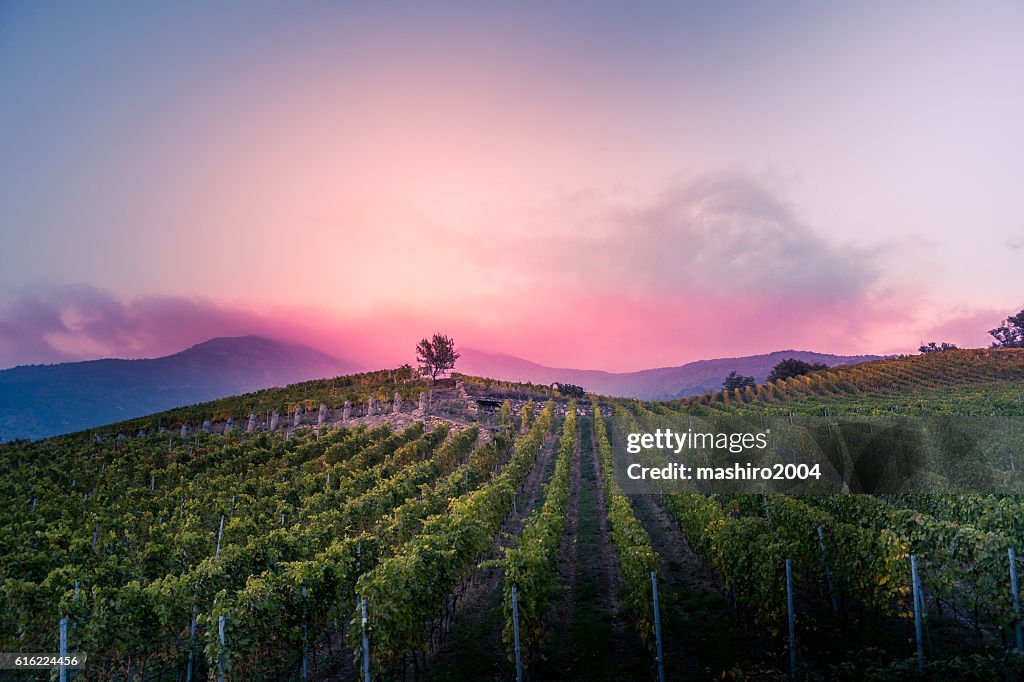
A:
(473, 650)
(561, 652)
(590, 637)
(703, 637)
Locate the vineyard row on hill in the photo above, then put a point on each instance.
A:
(411, 592)
(531, 566)
(894, 376)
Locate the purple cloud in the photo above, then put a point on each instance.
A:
(46, 323)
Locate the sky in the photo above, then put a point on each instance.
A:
(607, 185)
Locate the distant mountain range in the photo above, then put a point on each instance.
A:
(37, 401)
(44, 400)
(663, 383)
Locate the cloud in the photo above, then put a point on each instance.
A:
(714, 265)
(724, 233)
(47, 322)
(1016, 243)
(968, 328)
(618, 331)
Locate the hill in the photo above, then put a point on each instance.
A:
(942, 380)
(37, 401)
(664, 383)
(240, 552)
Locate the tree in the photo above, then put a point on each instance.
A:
(569, 389)
(735, 380)
(932, 347)
(1010, 334)
(436, 356)
(791, 367)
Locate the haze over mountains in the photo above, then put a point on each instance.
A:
(663, 383)
(44, 400)
(37, 401)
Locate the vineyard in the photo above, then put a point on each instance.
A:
(459, 542)
(968, 382)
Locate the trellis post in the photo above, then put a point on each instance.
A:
(220, 533)
(366, 643)
(915, 581)
(305, 636)
(657, 627)
(220, 658)
(1015, 589)
(63, 648)
(792, 618)
(828, 572)
(191, 642)
(515, 632)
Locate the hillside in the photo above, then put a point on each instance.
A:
(967, 381)
(434, 508)
(664, 383)
(44, 400)
(986, 381)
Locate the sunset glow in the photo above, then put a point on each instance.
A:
(607, 187)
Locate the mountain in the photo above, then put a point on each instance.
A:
(45, 400)
(663, 383)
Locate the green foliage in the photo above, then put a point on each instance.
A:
(404, 519)
(410, 588)
(505, 414)
(527, 415)
(864, 545)
(531, 567)
(347, 496)
(309, 394)
(983, 381)
(269, 613)
(637, 558)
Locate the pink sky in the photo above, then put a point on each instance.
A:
(603, 187)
